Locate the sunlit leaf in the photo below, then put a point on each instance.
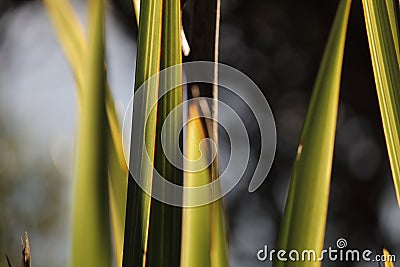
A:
(184, 43)
(196, 224)
(383, 43)
(91, 240)
(165, 220)
(304, 220)
(143, 133)
(117, 190)
(388, 262)
(392, 7)
(136, 6)
(219, 238)
(71, 35)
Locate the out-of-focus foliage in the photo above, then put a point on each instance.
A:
(255, 38)
(71, 35)
(91, 236)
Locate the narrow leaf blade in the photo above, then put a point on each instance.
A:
(304, 220)
(91, 242)
(219, 237)
(165, 220)
(196, 222)
(393, 13)
(70, 33)
(143, 134)
(385, 63)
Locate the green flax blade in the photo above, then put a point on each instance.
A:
(219, 237)
(71, 35)
(196, 223)
(304, 220)
(381, 36)
(393, 13)
(91, 242)
(143, 134)
(166, 220)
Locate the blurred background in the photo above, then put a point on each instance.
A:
(277, 43)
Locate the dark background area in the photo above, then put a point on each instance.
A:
(279, 44)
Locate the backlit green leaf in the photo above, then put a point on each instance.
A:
(219, 238)
(91, 241)
(196, 224)
(304, 220)
(384, 47)
(143, 134)
(393, 13)
(165, 220)
(71, 35)
(388, 260)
